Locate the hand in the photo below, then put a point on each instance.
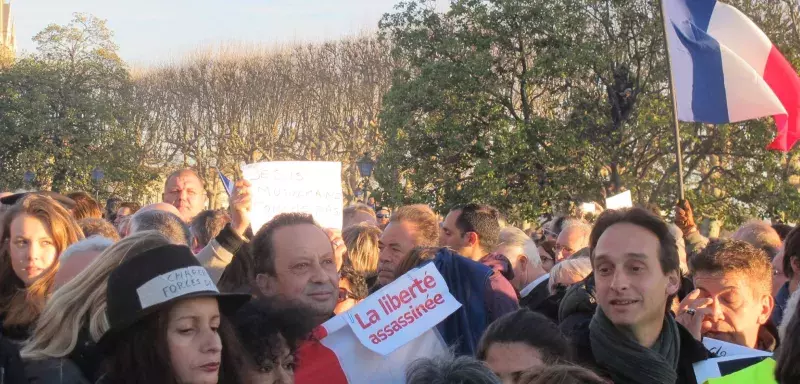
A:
(701, 308)
(684, 217)
(339, 247)
(241, 204)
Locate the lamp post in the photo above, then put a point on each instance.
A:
(365, 166)
(28, 178)
(97, 178)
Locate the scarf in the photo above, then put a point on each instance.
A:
(626, 360)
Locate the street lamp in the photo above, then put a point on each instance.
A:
(28, 177)
(365, 166)
(97, 178)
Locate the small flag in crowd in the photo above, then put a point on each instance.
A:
(726, 70)
(226, 182)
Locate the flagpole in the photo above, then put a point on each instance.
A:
(673, 98)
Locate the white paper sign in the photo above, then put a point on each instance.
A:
(177, 283)
(588, 207)
(621, 201)
(726, 349)
(402, 310)
(312, 187)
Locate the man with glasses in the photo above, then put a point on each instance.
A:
(571, 240)
(383, 217)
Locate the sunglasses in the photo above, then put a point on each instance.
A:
(344, 294)
(382, 216)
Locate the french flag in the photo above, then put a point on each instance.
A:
(726, 70)
(333, 355)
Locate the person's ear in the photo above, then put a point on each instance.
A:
(767, 303)
(471, 238)
(522, 262)
(795, 263)
(673, 283)
(265, 284)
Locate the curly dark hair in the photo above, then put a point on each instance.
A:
(264, 325)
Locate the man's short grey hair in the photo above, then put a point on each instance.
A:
(168, 224)
(92, 244)
(450, 370)
(761, 235)
(515, 237)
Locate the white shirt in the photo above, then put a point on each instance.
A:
(530, 287)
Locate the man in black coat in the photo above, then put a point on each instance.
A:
(632, 338)
(530, 280)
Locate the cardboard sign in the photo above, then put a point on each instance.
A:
(621, 201)
(311, 187)
(402, 310)
(726, 349)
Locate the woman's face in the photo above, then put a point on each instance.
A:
(510, 360)
(278, 371)
(31, 248)
(195, 347)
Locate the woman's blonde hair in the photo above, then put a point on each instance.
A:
(362, 247)
(22, 305)
(83, 299)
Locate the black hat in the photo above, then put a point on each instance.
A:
(65, 202)
(143, 284)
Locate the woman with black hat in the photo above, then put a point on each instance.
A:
(168, 322)
(35, 231)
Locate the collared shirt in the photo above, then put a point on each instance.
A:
(530, 287)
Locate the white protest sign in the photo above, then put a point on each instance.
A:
(587, 207)
(402, 310)
(726, 349)
(312, 187)
(621, 201)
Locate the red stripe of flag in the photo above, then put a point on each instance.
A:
(783, 80)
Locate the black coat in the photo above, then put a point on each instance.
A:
(12, 370)
(54, 371)
(691, 352)
(540, 300)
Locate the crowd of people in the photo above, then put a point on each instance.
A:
(174, 293)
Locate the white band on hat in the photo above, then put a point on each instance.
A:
(174, 284)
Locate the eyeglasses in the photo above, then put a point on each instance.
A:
(344, 295)
(559, 248)
(382, 216)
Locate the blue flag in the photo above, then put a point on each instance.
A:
(226, 182)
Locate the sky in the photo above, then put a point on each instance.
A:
(155, 31)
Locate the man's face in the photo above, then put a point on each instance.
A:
(739, 309)
(305, 271)
(396, 242)
(451, 236)
(185, 192)
(632, 289)
(570, 240)
(778, 277)
(383, 217)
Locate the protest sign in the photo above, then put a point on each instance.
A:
(725, 349)
(588, 208)
(621, 201)
(296, 186)
(402, 310)
(722, 366)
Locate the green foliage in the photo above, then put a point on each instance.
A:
(535, 106)
(66, 111)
